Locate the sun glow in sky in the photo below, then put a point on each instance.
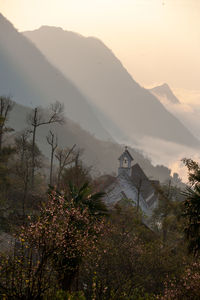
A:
(156, 40)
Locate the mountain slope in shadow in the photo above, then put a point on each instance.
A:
(101, 155)
(101, 76)
(26, 75)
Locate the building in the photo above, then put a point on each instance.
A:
(132, 183)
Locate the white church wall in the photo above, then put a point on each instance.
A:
(114, 194)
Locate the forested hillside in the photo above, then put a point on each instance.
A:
(101, 155)
(58, 240)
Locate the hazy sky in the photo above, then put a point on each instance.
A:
(156, 40)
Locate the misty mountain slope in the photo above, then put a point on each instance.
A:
(188, 113)
(100, 75)
(102, 155)
(26, 75)
(164, 91)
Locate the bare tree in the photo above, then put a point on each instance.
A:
(21, 142)
(64, 157)
(77, 173)
(52, 140)
(6, 105)
(38, 118)
(78, 154)
(139, 190)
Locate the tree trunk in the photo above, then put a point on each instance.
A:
(24, 198)
(51, 167)
(1, 138)
(68, 280)
(59, 176)
(33, 157)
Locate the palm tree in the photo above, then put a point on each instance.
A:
(192, 207)
(83, 198)
(192, 214)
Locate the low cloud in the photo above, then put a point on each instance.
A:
(187, 111)
(167, 153)
(170, 154)
(191, 97)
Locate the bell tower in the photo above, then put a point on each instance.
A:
(125, 161)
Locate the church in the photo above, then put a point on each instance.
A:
(132, 183)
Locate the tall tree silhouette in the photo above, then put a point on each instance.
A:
(64, 157)
(52, 140)
(39, 118)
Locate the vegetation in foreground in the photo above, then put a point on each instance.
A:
(64, 242)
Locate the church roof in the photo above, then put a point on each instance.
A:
(128, 180)
(142, 182)
(126, 153)
(130, 185)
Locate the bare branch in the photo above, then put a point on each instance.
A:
(52, 140)
(57, 110)
(6, 105)
(63, 156)
(39, 117)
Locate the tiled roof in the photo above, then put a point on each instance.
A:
(141, 181)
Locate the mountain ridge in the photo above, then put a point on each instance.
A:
(31, 79)
(165, 91)
(101, 76)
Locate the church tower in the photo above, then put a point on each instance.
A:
(125, 161)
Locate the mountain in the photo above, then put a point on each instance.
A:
(26, 75)
(117, 96)
(164, 91)
(101, 155)
(187, 112)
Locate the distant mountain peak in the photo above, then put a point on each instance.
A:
(119, 99)
(165, 85)
(49, 27)
(164, 90)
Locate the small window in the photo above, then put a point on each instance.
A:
(125, 162)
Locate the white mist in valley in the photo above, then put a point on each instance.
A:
(165, 153)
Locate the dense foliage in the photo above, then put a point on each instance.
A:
(60, 241)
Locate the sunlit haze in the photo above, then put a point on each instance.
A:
(100, 149)
(156, 40)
